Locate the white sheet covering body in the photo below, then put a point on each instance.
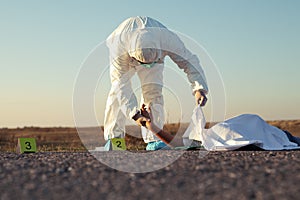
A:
(235, 133)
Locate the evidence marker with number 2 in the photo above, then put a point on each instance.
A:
(118, 144)
(26, 145)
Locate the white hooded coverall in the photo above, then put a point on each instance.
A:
(143, 40)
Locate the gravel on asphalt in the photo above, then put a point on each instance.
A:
(226, 175)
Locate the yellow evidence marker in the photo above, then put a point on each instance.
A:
(118, 144)
(26, 145)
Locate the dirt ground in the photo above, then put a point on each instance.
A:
(218, 175)
(64, 169)
(67, 139)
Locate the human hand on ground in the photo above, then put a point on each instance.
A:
(149, 124)
(161, 134)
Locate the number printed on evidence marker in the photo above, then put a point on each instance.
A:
(118, 144)
(26, 145)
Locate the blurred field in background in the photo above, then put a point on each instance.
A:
(62, 139)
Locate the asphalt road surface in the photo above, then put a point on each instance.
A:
(217, 175)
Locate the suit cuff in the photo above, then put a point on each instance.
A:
(199, 87)
(134, 112)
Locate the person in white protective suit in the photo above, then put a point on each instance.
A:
(139, 46)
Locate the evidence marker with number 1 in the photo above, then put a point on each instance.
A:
(26, 145)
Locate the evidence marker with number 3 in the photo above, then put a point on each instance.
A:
(26, 145)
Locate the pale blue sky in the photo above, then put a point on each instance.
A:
(255, 45)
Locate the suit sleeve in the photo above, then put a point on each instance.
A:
(186, 61)
(120, 77)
